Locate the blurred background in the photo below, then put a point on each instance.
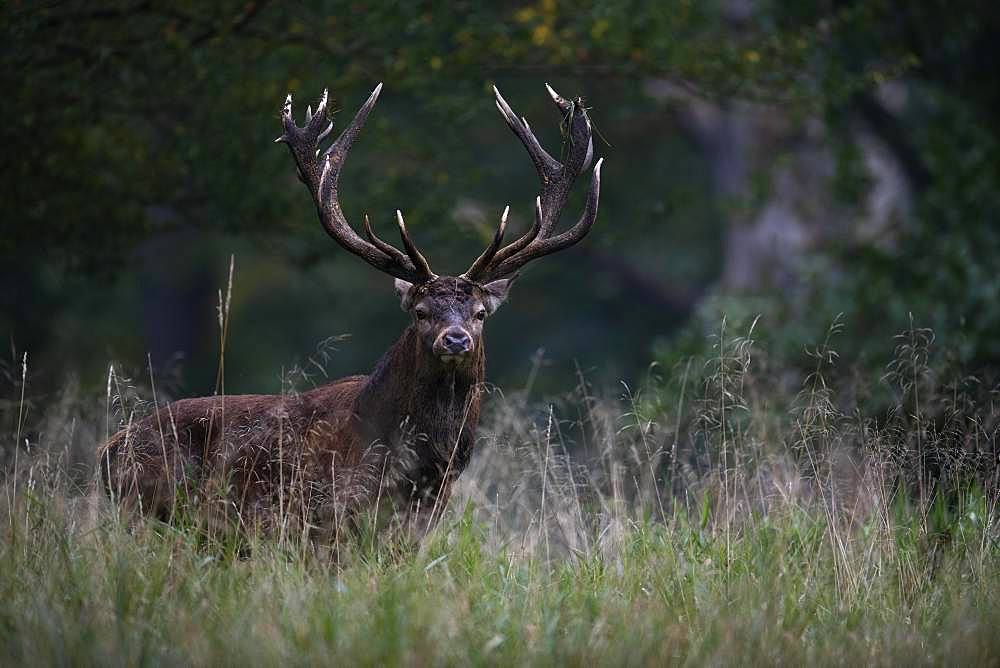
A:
(782, 159)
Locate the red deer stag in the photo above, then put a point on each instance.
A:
(406, 430)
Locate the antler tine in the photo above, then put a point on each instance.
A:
(383, 246)
(338, 149)
(546, 246)
(557, 182)
(321, 173)
(561, 102)
(480, 268)
(411, 249)
(544, 163)
(526, 239)
(484, 260)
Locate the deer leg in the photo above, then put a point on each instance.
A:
(425, 510)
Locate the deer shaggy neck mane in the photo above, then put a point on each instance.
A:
(414, 400)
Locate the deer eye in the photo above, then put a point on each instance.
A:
(421, 314)
(481, 314)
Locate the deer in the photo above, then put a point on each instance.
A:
(405, 431)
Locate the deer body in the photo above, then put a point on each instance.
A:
(405, 431)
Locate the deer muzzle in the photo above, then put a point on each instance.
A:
(453, 343)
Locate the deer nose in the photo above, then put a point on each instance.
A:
(456, 341)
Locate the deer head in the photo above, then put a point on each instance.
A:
(449, 311)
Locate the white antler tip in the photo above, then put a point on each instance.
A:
(597, 167)
(552, 93)
(399, 218)
(506, 211)
(501, 103)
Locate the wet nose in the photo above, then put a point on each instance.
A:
(457, 341)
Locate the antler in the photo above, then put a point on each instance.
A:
(321, 173)
(557, 181)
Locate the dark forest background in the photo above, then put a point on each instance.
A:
(788, 160)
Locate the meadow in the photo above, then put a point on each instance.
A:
(734, 510)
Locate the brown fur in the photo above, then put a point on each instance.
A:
(406, 431)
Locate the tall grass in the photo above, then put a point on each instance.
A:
(735, 512)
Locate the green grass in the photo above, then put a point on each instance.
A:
(732, 522)
(80, 589)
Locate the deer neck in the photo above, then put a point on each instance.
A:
(411, 396)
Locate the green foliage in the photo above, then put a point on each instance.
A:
(938, 271)
(140, 132)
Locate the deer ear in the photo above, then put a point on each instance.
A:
(404, 290)
(496, 293)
